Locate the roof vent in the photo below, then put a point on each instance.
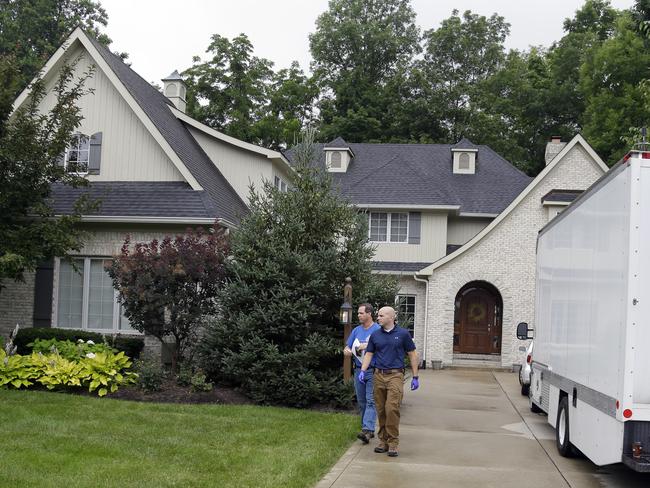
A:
(175, 89)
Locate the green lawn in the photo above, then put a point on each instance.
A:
(60, 440)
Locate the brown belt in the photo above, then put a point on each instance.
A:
(389, 371)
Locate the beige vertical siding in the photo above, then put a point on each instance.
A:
(461, 230)
(433, 242)
(129, 151)
(240, 167)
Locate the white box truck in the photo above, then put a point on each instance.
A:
(591, 364)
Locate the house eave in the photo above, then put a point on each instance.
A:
(128, 219)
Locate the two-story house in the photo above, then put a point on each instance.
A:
(156, 172)
(458, 225)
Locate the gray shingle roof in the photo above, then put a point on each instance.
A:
(338, 142)
(422, 174)
(561, 196)
(465, 143)
(223, 200)
(136, 199)
(395, 266)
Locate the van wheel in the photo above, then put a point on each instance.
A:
(562, 440)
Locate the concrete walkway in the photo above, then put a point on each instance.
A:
(466, 428)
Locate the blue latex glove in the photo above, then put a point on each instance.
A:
(415, 384)
(362, 376)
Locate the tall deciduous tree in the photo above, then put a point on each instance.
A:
(613, 81)
(229, 90)
(31, 142)
(459, 57)
(31, 30)
(360, 46)
(277, 335)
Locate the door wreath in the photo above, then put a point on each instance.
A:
(477, 312)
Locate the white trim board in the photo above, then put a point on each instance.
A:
(269, 153)
(578, 139)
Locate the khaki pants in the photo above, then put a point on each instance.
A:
(389, 389)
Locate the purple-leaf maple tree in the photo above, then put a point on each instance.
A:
(166, 287)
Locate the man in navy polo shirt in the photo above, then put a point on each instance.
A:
(386, 349)
(355, 347)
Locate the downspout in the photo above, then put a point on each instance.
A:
(426, 317)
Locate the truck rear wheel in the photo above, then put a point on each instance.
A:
(562, 439)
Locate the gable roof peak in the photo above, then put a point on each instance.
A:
(175, 76)
(464, 143)
(338, 142)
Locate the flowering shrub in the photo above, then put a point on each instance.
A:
(102, 371)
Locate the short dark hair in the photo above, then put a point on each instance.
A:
(367, 307)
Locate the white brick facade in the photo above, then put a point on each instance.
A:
(505, 257)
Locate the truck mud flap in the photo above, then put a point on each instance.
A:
(637, 432)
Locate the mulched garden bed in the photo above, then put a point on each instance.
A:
(171, 392)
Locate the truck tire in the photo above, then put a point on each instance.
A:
(535, 409)
(562, 439)
(525, 389)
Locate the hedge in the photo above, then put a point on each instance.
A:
(132, 346)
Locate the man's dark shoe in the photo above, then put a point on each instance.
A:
(363, 437)
(381, 448)
(393, 453)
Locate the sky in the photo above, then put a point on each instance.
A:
(162, 35)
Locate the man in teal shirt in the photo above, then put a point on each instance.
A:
(355, 347)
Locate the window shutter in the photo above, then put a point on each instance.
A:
(95, 157)
(44, 280)
(414, 227)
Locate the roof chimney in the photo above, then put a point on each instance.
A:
(553, 148)
(174, 88)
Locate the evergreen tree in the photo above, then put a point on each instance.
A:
(277, 335)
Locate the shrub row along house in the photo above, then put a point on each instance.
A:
(457, 223)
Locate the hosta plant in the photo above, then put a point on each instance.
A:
(105, 372)
(18, 371)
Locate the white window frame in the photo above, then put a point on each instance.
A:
(388, 227)
(280, 184)
(415, 308)
(85, 301)
(67, 152)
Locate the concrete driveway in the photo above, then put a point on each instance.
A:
(469, 428)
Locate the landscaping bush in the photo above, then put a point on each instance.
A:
(102, 372)
(131, 346)
(150, 374)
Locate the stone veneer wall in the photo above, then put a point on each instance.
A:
(505, 258)
(408, 286)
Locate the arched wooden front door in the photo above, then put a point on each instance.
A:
(478, 320)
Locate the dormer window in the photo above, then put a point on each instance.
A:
(464, 155)
(335, 159)
(338, 156)
(464, 161)
(77, 156)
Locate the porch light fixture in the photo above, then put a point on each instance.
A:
(345, 316)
